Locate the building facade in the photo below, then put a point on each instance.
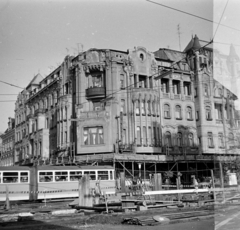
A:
(131, 108)
(7, 145)
(42, 113)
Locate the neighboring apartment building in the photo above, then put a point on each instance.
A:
(7, 147)
(42, 115)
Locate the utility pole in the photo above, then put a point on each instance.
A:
(179, 36)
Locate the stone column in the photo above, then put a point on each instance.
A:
(171, 88)
(182, 90)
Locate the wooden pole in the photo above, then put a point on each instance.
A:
(122, 181)
(213, 185)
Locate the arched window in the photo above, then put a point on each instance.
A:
(210, 139)
(190, 139)
(178, 112)
(208, 113)
(179, 139)
(189, 113)
(168, 141)
(166, 111)
(205, 87)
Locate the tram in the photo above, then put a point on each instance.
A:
(51, 182)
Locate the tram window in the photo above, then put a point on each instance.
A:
(102, 175)
(24, 177)
(75, 176)
(45, 176)
(10, 177)
(61, 176)
(92, 174)
(111, 175)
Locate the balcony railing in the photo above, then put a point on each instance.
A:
(187, 97)
(95, 92)
(166, 95)
(177, 96)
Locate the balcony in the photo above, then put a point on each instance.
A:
(95, 92)
(166, 95)
(177, 96)
(37, 111)
(30, 116)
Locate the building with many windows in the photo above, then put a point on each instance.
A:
(7, 144)
(42, 114)
(135, 109)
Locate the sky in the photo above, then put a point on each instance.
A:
(36, 35)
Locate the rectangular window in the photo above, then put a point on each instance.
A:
(97, 80)
(137, 108)
(220, 140)
(124, 137)
(151, 82)
(45, 176)
(176, 87)
(144, 135)
(195, 92)
(165, 85)
(210, 140)
(10, 177)
(187, 88)
(75, 175)
(92, 174)
(154, 135)
(143, 108)
(218, 111)
(61, 176)
(93, 136)
(138, 135)
(150, 135)
(102, 175)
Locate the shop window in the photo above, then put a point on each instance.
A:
(93, 136)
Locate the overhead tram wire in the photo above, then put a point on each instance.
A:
(220, 20)
(193, 15)
(11, 84)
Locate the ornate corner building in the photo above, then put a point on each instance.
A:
(132, 107)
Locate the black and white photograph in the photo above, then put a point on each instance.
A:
(119, 114)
